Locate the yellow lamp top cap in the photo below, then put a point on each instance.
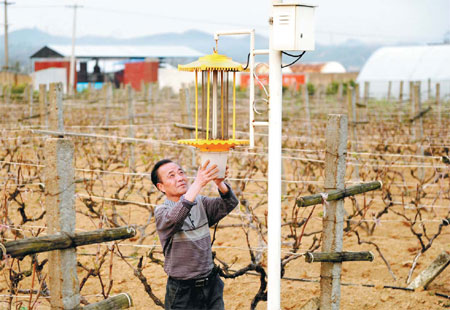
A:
(213, 61)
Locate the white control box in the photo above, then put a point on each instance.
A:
(293, 27)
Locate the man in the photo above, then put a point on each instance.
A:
(183, 222)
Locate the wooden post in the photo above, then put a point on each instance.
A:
(191, 122)
(429, 89)
(156, 95)
(349, 100)
(418, 108)
(337, 257)
(400, 95)
(413, 108)
(29, 98)
(340, 91)
(108, 99)
(438, 103)
(28, 246)
(366, 92)
(130, 97)
(307, 110)
(333, 221)
(366, 100)
(419, 122)
(60, 200)
(150, 93)
(25, 93)
(357, 96)
(431, 272)
(121, 301)
(400, 101)
(43, 105)
(354, 143)
(411, 98)
(333, 195)
(389, 92)
(183, 107)
(317, 93)
(142, 91)
(8, 94)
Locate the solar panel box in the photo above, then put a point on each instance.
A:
(293, 27)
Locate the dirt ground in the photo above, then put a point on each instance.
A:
(392, 234)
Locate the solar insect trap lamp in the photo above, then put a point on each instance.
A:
(218, 84)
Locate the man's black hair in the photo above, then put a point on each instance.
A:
(155, 176)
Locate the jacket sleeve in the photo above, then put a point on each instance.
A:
(218, 208)
(169, 220)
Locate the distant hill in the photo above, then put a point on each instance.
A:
(24, 42)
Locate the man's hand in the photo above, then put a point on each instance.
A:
(219, 182)
(205, 174)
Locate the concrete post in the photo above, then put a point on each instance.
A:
(333, 221)
(56, 116)
(60, 204)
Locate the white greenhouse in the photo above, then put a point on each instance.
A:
(387, 67)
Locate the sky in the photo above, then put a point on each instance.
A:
(381, 21)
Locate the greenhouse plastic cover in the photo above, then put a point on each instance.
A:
(410, 63)
(388, 66)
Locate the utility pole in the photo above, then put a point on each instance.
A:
(6, 3)
(72, 56)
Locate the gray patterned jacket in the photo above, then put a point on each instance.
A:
(183, 229)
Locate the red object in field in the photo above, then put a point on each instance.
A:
(41, 65)
(289, 80)
(136, 72)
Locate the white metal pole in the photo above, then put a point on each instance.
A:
(72, 56)
(274, 177)
(251, 65)
(252, 89)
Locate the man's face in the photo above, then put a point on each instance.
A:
(173, 180)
